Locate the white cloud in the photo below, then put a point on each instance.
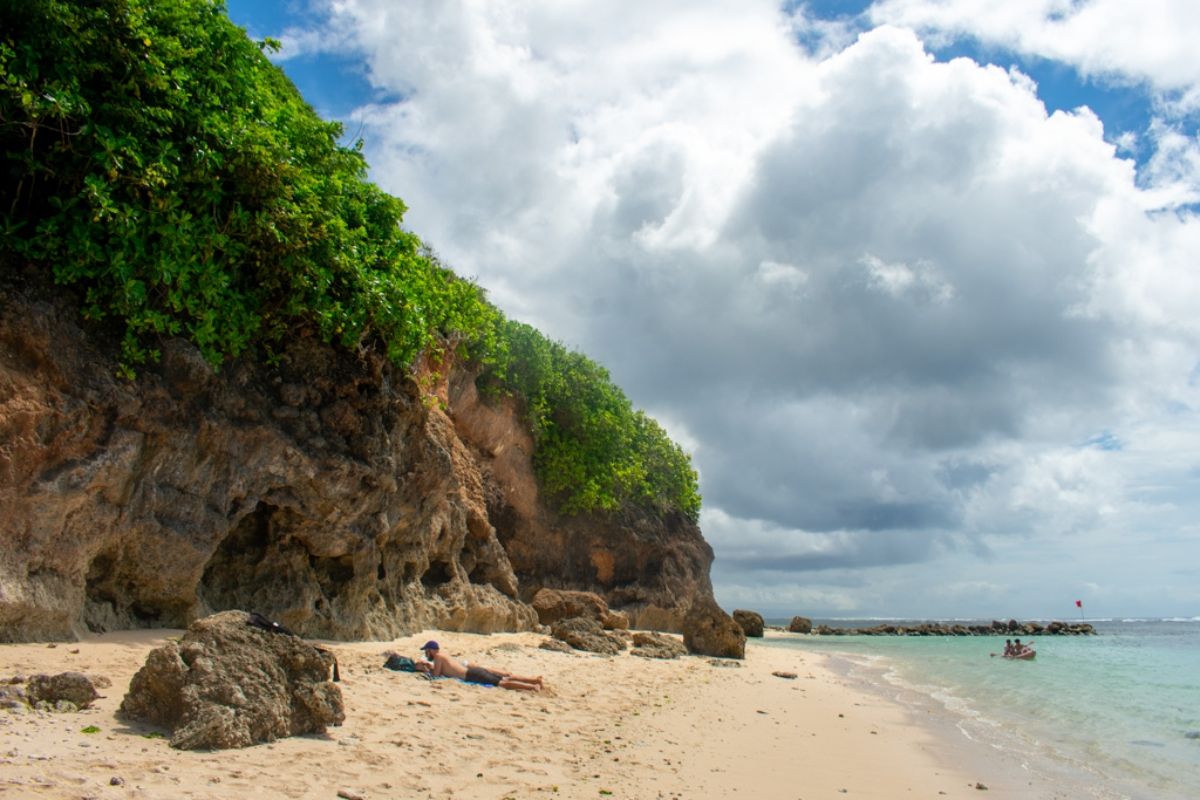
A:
(885, 300)
(1150, 40)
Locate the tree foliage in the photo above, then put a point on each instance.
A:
(155, 161)
(593, 449)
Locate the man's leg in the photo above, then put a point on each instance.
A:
(521, 678)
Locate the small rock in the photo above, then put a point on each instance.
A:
(724, 662)
(981, 787)
(116, 781)
(791, 676)
(65, 689)
(346, 794)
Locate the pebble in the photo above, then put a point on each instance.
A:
(346, 794)
(116, 781)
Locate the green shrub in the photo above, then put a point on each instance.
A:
(594, 451)
(155, 161)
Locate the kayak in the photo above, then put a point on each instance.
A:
(1028, 655)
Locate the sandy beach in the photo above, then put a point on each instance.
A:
(620, 727)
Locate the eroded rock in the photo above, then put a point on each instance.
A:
(332, 491)
(800, 625)
(709, 631)
(66, 687)
(553, 605)
(751, 622)
(656, 645)
(226, 684)
(587, 634)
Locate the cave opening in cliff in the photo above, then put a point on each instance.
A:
(100, 594)
(331, 573)
(231, 575)
(439, 572)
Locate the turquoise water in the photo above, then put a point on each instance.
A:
(1117, 713)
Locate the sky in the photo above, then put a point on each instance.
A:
(915, 282)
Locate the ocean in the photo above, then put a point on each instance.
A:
(1111, 716)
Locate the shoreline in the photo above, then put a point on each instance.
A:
(620, 727)
(977, 742)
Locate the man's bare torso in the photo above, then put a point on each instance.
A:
(449, 667)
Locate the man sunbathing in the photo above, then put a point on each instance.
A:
(441, 665)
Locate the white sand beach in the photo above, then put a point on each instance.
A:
(620, 727)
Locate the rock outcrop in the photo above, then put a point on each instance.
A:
(751, 622)
(645, 566)
(582, 633)
(996, 628)
(709, 631)
(553, 605)
(330, 491)
(656, 645)
(66, 687)
(800, 625)
(226, 684)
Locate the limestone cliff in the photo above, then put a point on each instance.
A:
(333, 492)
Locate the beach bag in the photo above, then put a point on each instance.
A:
(400, 663)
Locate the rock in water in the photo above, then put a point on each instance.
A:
(750, 621)
(800, 625)
(226, 684)
(73, 687)
(709, 631)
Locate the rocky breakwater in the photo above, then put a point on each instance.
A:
(331, 491)
(996, 628)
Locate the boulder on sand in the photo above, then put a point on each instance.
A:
(71, 687)
(800, 625)
(709, 631)
(553, 605)
(751, 622)
(227, 684)
(647, 644)
(586, 634)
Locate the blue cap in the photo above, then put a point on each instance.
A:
(430, 645)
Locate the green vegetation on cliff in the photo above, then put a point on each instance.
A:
(157, 163)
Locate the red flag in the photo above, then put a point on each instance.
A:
(1079, 604)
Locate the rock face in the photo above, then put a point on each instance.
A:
(751, 622)
(709, 631)
(649, 568)
(332, 492)
(800, 625)
(226, 684)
